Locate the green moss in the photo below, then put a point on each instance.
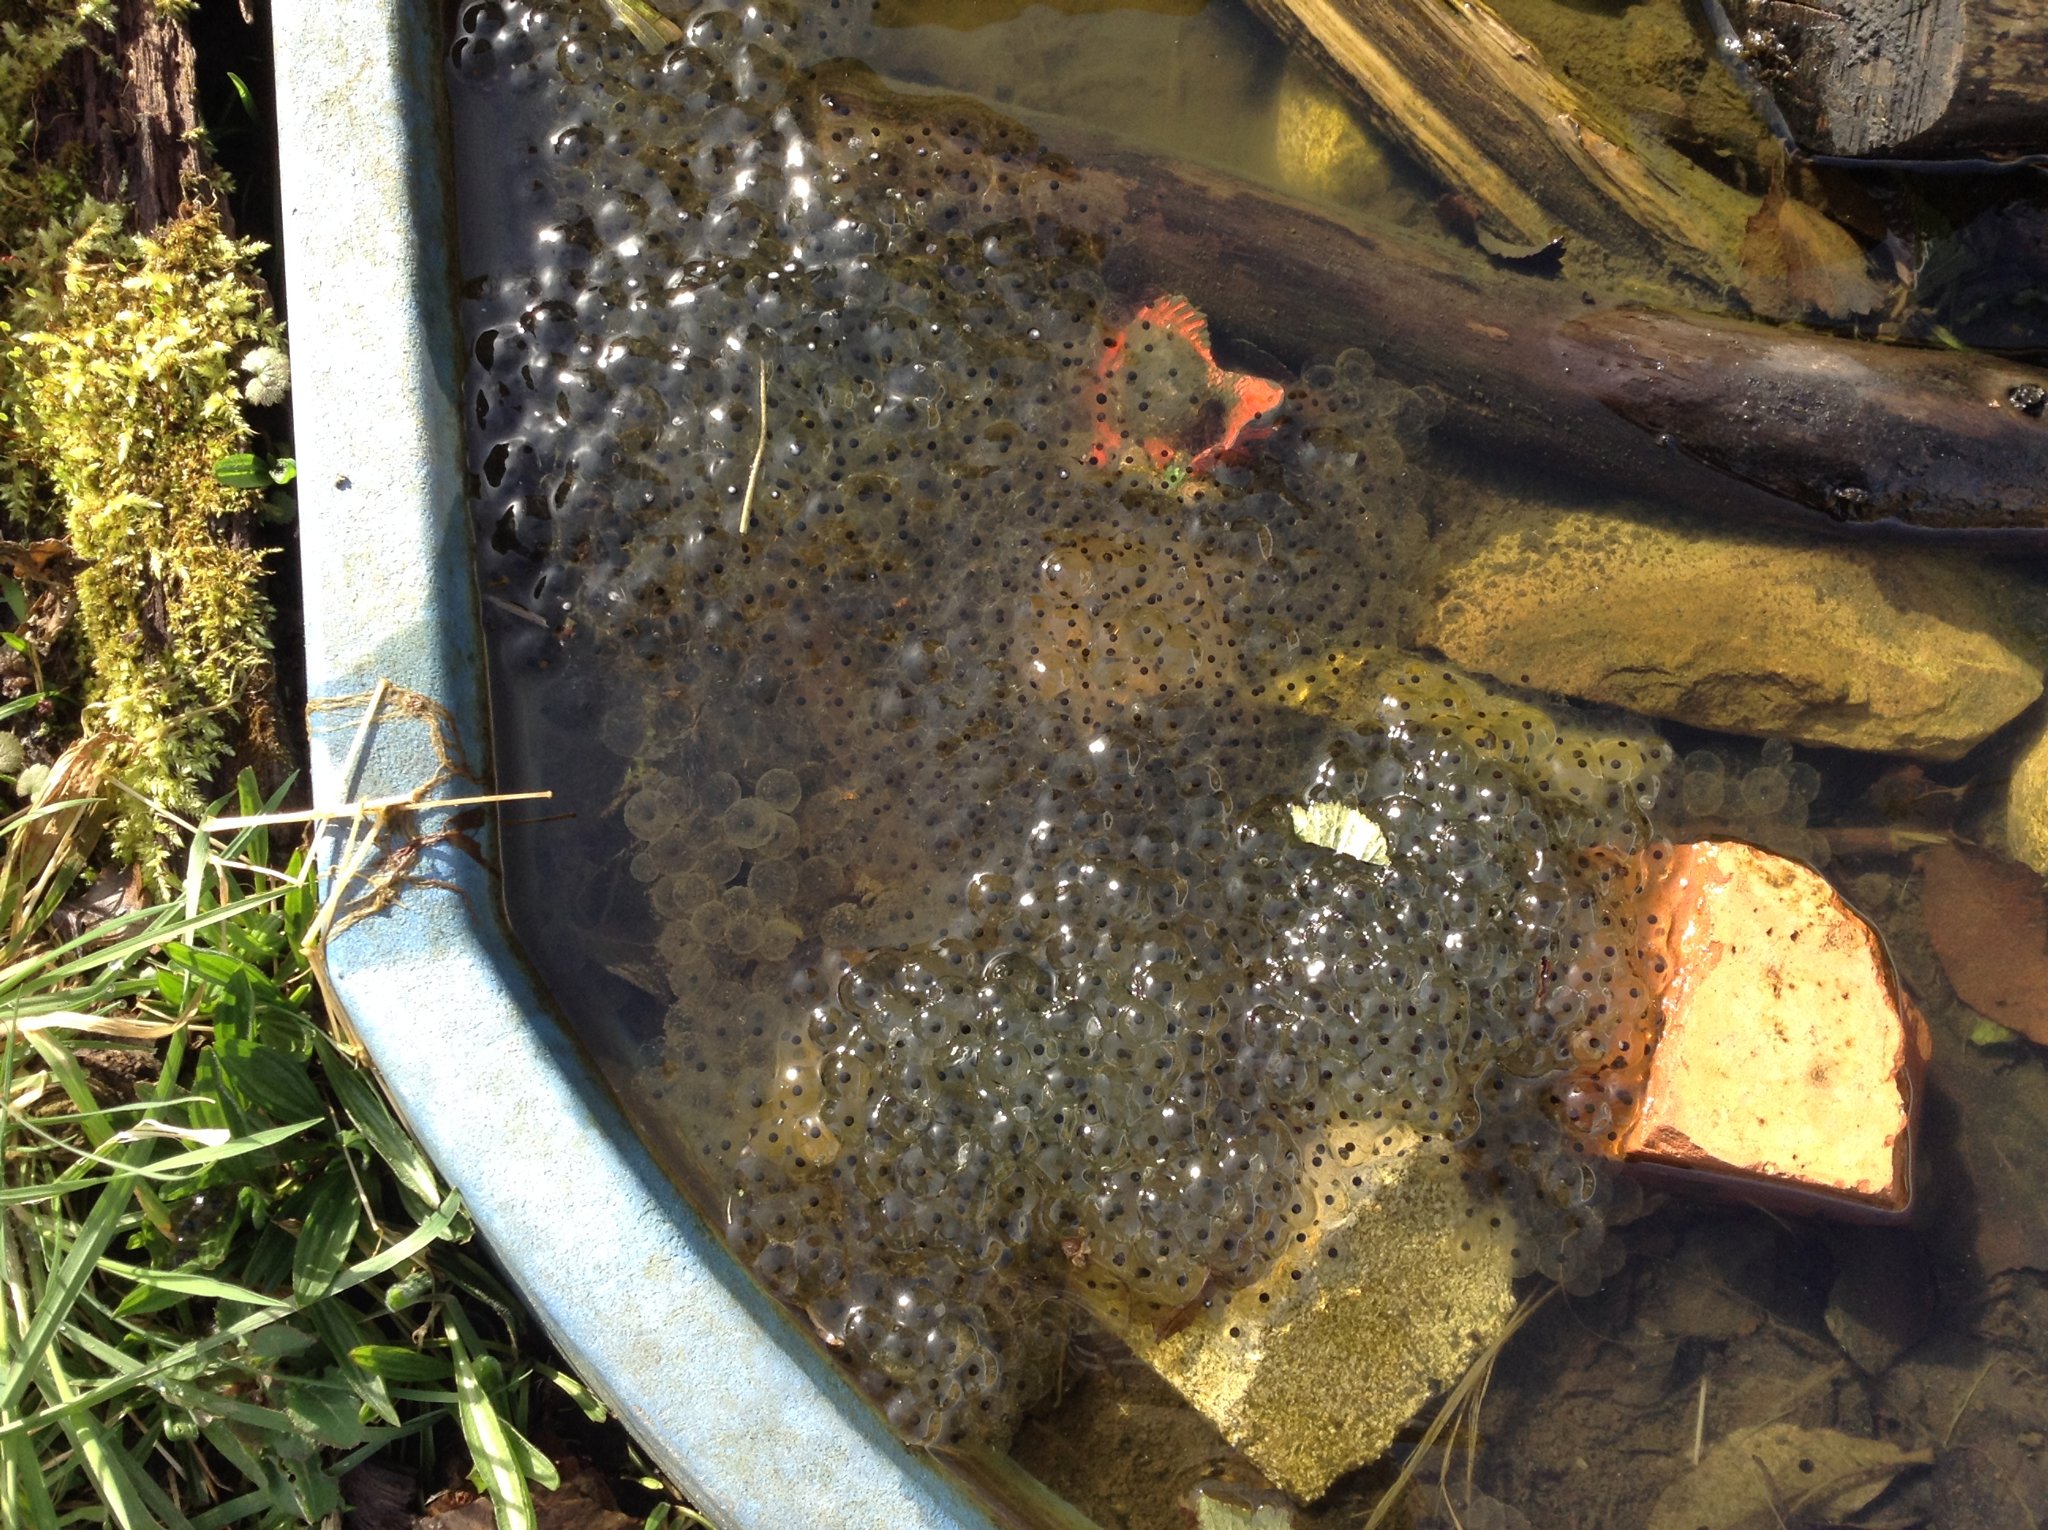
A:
(39, 195)
(123, 382)
(119, 391)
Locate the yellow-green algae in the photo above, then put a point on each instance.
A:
(120, 390)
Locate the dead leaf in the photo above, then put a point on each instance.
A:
(1779, 1474)
(1988, 919)
(1797, 260)
(583, 1502)
(43, 561)
(1906, 794)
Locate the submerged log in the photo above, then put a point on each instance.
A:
(1918, 78)
(1722, 415)
(1476, 104)
(1858, 430)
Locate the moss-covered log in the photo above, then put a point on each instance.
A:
(131, 328)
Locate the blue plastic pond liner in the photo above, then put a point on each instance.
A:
(747, 1415)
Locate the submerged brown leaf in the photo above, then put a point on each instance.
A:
(582, 1502)
(1779, 1474)
(1797, 260)
(1988, 919)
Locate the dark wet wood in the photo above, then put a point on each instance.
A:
(1910, 78)
(1854, 429)
(1476, 104)
(1721, 415)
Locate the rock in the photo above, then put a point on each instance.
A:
(1214, 1512)
(1181, 76)
(1321, 146)
(1788, 1059)
(1313, 1369)
(1884, 648)
(2026, 805)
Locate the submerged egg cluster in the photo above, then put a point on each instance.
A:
(957, 756)
(1763, 795)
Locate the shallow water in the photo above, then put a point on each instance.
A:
(922, 696)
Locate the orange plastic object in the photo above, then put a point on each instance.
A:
(1788, 1057)
(1245, 402)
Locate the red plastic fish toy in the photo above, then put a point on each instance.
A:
(1161, 398)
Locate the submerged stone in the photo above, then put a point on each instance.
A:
(1320, 144)
(1893, 649)
(2026, 805)
(1398, 1284)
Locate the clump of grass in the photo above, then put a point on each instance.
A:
(229, 1280)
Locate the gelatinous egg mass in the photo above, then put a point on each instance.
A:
(1006, 897)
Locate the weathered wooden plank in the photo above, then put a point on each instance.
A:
(1476, 103)
(1858, 430)
(1904, 78)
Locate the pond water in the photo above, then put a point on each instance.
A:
(1016, 829)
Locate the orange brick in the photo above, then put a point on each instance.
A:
(1788, 1057)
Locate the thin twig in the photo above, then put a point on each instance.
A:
(760, 452)
(368, 809)
(1770, 1490)
(361, 742)
(1454, 1404)
(1699, 1422)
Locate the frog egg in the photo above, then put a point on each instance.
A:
(1702, 793)
(775, 882)
(718, 791)
(1765, 791)
(777, 936)
(623, 730)
(709, 923)
(715, 860)
(779, 789)
(782, 839)
(648, 814)
(749, 823)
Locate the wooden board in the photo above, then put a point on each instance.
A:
(1910, 78)
(1476, 103)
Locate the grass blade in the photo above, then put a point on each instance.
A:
(428, 1232)
(369, 1114)
(94, 1234)
(24, 1492)
(500, 1468)
(327, 1230)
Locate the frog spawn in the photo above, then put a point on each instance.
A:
(958, 786)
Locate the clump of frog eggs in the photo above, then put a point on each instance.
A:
(1761, 794)
(958, 770)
